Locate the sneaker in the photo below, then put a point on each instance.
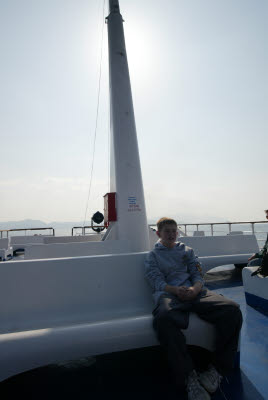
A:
(210, 379)
(194, 389)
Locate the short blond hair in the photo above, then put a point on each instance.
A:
(165, 221)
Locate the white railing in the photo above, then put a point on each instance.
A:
(87, 230)
(228, 224)
(6, 232)
(218, 228)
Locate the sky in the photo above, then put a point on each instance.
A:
(199, 81)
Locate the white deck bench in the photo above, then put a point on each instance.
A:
(20, 242)
(63, 309)
(25, 242)
(75, 249)
(72, 239)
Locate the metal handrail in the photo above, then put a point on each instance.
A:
(87, 227)
(211, 224)
(25, 229)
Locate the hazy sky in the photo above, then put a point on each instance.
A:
(199, 80)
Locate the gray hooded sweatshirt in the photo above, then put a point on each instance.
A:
(177, 266)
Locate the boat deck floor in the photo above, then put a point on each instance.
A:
(143, 373)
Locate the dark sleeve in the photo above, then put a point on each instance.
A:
(263, 251)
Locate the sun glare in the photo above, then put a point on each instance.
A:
(141, 54)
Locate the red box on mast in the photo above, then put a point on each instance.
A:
(109, 208)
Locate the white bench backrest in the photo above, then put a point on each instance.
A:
(59, 250)
(48, 293)
(199, 233)
(221, 245)
(72, 239)
(26, 239)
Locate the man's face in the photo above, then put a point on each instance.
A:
(168, 235)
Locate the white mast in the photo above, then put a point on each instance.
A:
(126, 178)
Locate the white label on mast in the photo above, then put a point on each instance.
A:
(132, 204)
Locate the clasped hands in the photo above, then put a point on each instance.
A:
(185, 293)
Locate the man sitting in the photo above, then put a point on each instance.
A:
(175, 276)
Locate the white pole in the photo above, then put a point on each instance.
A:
(126, 178)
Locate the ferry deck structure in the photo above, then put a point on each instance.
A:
(83, 299)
